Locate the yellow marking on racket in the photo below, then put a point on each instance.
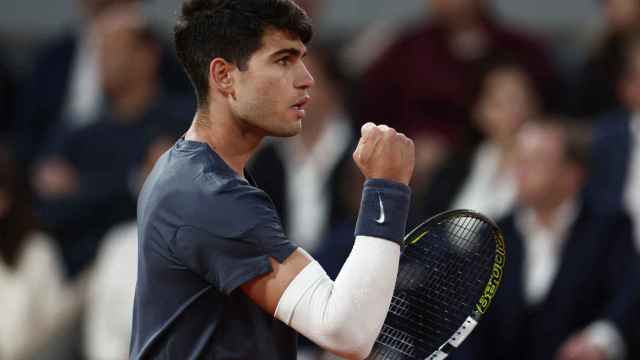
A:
(495, 279)
(418, 238)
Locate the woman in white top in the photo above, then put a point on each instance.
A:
(506, 100)
(33, 299)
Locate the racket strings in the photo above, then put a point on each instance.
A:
(440, 280)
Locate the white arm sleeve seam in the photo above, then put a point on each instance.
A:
(344, 316)
(305, 280)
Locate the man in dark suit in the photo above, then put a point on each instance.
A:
(616, 159)
(571, 274)
(65, 79)
(83, 183)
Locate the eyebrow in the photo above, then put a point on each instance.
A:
(289, 51)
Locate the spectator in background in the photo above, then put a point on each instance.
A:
(66, 78)
(34, 298)
(423, 83)
(616, 160)
(83, 183)
(564, 292)
(301, 175)
(507, 99)
(597, 90)
(108, 318)
(482, 177)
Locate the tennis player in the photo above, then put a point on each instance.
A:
(217, 277)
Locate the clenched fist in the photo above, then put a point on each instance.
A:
(383, 153)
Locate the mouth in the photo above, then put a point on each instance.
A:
(299, 106)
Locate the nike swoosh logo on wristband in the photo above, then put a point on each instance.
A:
(381, 219)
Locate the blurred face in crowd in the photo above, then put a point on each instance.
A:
(630, 83)
(457, 10)
(126, 59)
(507, 101)
(622, 14)
(93, 8)
(545, 177)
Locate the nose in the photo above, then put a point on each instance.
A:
(306, 80)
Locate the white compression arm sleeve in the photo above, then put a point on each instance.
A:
(344, 316)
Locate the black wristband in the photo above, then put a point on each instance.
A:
(384, 210)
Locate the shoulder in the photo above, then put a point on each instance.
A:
(59, 51)
(194, 187)
(235, 206)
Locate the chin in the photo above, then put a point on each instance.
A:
(288, 131)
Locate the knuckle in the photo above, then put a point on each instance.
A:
(389, 132)
(375, 131)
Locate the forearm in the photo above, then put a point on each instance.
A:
(346, 316)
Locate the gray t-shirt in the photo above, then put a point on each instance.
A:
(204, 231)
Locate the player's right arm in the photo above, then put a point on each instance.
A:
(345, 316)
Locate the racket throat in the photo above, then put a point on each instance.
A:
(455, 340)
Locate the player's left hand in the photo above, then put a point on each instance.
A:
(578, 347)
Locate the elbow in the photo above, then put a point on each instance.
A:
(359, 351)
(350, 343)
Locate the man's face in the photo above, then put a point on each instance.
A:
(507, 101)
(125, 59)
(541, 166)
(272, 92)
(622, 14)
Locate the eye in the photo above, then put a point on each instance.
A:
(284, 61)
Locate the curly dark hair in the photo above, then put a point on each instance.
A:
(232, 30)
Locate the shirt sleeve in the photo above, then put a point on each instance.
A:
(230, 242)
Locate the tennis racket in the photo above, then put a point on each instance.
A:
(450, 268)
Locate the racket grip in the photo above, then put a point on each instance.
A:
(384, 210)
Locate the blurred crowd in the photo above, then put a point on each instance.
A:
(500, 126)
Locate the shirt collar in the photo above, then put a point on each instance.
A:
(563, 218)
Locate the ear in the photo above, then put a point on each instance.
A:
(220, 79)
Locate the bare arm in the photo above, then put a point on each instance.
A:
(267, 289)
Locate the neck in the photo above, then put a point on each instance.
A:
(226, 135)
(507, 154)
(546, 213)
